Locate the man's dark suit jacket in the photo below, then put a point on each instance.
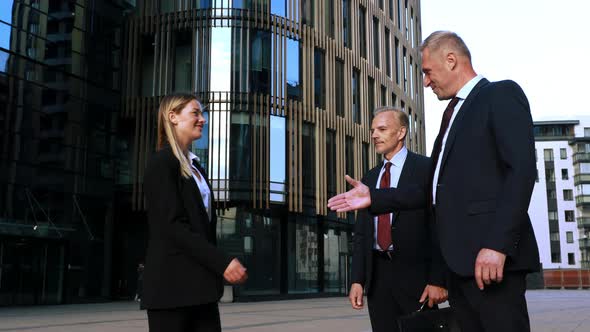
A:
(183, 265)
(485, 183)
(417, 257)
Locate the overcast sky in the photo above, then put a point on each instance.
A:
(541, 44)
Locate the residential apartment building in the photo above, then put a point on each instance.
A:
(560, 204)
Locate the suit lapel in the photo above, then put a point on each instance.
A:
(407, 172)
(458, 122)
(372, 177)
(212, 196)
(194, 192)
(204, 174)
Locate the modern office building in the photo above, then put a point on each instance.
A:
(60, 99)
(560, 205)
(289, 88)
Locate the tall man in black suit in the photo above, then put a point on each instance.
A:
(482, 179)
(394, 257)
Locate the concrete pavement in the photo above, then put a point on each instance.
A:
(550, 310)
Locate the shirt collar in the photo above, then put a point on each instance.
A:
(193, 156)
(466, 89)
(399, 158)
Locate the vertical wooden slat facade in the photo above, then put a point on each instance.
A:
(161, 27)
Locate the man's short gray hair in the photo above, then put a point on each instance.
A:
(401, 115)
(449, 39)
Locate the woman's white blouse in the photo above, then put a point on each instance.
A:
(202, 184)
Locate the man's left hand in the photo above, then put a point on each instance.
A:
(434, 294)
(489, 266)
(359, 197)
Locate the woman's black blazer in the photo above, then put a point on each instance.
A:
(183, 265)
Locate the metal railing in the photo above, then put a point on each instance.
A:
(581, 156)
(582, 200)
(581, 178)
(583, 222)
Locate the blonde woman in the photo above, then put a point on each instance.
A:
(184, 268)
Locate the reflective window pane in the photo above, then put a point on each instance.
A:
(147, 67)
(6, 7)
(293, 69)
(371, 97)
(307, 10)
(203, 4)
(277, 7)
(240, 155)
(319, 69)
(362, 19)
(220, 59)
(346, 21)
(337, 259)
(339, 82)
(376, 49)
(329, 17)
(303, 255)
(182, 63)
(260, 61)
(365, 158)
(260, 253)
(331, 162)
(166, 6)
(308, 163)
(3, 61)
(387, 53)
(396, 69)
(5, 34)
(356, 95)
(278, 155)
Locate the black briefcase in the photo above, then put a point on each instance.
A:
(441, 320)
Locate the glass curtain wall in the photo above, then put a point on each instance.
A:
(261, 127)
(60, 77)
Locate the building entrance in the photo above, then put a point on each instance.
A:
(31, 271)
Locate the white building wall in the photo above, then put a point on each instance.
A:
(538, 211)
(584, 123)
(538, 208)
(581, 211)
(566, 205)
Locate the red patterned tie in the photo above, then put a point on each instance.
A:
(383, 220)
(436, 150)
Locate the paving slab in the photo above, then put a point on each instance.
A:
(550, 311)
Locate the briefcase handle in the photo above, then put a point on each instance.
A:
(423, 307)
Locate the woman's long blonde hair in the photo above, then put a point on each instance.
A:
(166, 133)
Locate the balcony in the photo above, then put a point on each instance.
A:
(553, 226)
(581, 178)
(583, 222)
(583, 200)
(584, 244)
(581, 157)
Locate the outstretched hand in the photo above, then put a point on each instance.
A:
(359, 197)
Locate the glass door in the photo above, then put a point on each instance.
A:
(337, 258)
(31, 271)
